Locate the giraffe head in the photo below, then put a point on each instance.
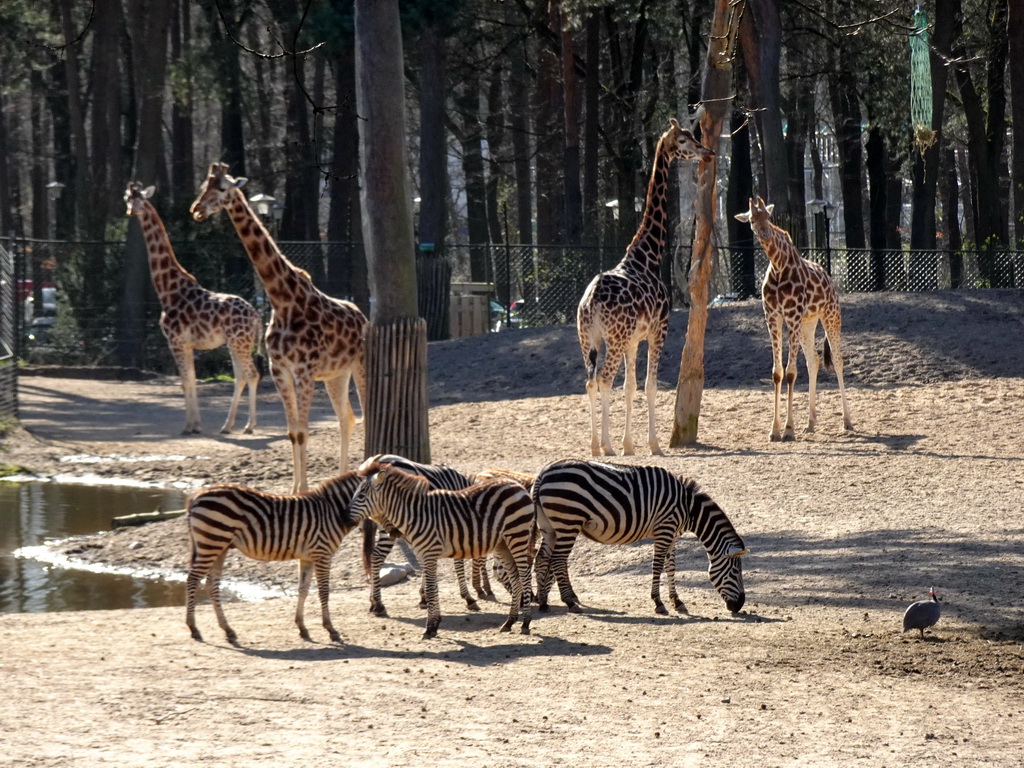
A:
(213, 195)
(682, 144)
(135, 196)
(758, 216)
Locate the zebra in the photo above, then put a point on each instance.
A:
(619, 504)
(492, 515)
(307, 527)
(439, 476)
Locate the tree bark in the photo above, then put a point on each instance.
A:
(715, 92)
(571, 194)
(433, 268)
(396, 407)
(149, 51)
(1015, 34)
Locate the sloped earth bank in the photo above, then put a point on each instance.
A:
(844, 530)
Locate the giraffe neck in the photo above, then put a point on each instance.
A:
(282, 280)
(169, 277)
(779, 248)
(649, 241)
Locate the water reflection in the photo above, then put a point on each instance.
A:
(33, 513)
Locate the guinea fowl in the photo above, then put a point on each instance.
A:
(923, 613)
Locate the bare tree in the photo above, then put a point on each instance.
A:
(396, 340)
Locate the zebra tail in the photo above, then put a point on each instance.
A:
(369, 542)
(827, 355)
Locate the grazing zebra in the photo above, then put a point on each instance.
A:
(617, 504)
(307, 527)
(492, 515)
(439, 476)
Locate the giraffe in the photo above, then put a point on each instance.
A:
(311, 336)
(630, 303)
(194, 318)
(799, 293)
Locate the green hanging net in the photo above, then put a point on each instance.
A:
(921, 83)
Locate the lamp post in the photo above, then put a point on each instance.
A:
(268, 209)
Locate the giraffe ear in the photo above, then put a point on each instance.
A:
(744, 217)
(148, 192)
(240, 182)
(674, 123)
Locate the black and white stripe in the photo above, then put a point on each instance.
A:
(307, 527)
(490, 516)
(619, 504)
(440, 476)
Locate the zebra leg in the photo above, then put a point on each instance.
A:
(542, 571)
(380, 553)
(213, 587)
(305, 575)
(430, 590)
(482, 584)
(560, 568)
(670, 574)
(517, 602)
(662, 548)
(323, 587)
(191, 585)
(460, 575)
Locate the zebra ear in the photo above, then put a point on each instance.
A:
(733, 552)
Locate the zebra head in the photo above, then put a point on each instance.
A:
(709, 523)
(385, 493)
(726, 573)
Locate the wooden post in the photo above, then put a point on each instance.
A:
(396, 389)
(716, 90)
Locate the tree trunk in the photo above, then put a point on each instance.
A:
(951, 223)
(468, 104)
(716, 89)
(1015, 34)
(592, 207)
(432, 267)
(571, 194)
(742, 279)
(878, 188)
(761, 33)
(549, 120)
(396, 407)
(518, 122)
(182, 155)
(105, 162)
(346, 262)
(149, 51)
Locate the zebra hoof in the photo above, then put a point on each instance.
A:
(304, 634)
(196, 635)
(526, 628)
(574, 608)
(473, 606)
(543, 607)
(507, 626)
(681, 607)
(379, 610)
(660, 609)
(335, 637)
(430, 634)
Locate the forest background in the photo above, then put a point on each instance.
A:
(529, 122)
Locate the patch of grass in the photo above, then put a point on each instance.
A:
(6, 470)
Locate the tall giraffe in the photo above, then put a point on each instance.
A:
(799, 293)
(311, 337)
(630, 303)
(195, 318)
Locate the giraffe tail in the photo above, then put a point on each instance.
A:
(827, 355)
(592, 363)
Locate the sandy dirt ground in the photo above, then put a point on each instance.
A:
(845, 530)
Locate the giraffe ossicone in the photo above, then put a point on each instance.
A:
(311, 336)
(630, 303)
(796, 293)
(194, 318)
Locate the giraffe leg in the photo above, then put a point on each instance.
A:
(296, 416)
(337, 390)
(775, 332)
(629, 391)
(241, 380)
(811, 358)
(185, 361)
(593, 393)
(654, 347)
(832, 338)
(612, 359)
(789, 433)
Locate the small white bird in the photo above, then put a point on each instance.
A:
(923, 613)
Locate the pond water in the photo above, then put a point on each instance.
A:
(33, 513)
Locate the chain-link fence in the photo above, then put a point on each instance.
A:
(65, 296)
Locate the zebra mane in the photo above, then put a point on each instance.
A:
(403, 480)
(701, 508)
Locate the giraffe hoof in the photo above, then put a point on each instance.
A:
(789, 437)
(775, 437)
